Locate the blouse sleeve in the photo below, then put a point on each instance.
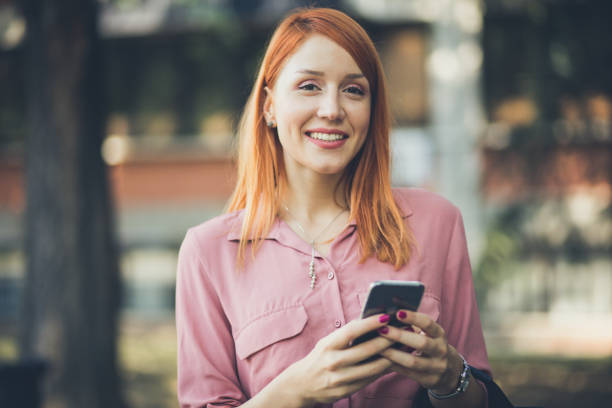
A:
(206, 356)
(459, 312)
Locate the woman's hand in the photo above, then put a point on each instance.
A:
(434, 364)
(332, 369)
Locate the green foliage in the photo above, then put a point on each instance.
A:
(186, 76)
(574, 229)
(502, 248)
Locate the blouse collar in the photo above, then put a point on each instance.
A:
(281, 232)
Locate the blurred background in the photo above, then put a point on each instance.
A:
(502, 106)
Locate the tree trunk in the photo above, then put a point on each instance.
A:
(71, 293)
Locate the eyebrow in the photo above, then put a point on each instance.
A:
(320, 73)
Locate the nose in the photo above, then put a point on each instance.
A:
(331, 107)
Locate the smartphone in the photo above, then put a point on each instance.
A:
(389, 296)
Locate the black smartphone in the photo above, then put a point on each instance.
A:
(389, 296)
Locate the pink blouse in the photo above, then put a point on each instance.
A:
(238, 329)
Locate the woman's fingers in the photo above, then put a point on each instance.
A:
(430, 364)
(356, 386)
(360, 352)
(343, 337)
(422, 321)
(339, 342)
(365, 371)
(411, 340)
(333, 369)
(413, 362)
(428, 337)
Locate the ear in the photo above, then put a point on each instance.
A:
(268, 106)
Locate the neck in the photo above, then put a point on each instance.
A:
(314, 196)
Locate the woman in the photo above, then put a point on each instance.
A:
(269, 294)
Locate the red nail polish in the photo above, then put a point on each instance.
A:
(401, 314)
(384, 318)
(383, 330)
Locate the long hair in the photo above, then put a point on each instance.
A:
(261, 175)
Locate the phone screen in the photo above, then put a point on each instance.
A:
(388, 297)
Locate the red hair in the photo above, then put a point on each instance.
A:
(261, 175)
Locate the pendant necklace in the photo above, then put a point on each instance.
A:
(311, 268)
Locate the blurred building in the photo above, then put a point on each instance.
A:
(502, 106)
(546, 176)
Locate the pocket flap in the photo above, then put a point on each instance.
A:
(269, 329)
(430, 306)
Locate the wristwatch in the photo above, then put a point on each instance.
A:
(462, 385)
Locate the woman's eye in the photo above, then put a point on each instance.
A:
(308, 87)
(355, 90)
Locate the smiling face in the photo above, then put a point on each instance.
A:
(321, 106)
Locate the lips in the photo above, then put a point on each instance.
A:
(327, 138)
(326, 135)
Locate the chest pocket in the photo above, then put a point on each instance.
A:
(430, 306)
(270, 328)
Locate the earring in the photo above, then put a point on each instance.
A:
(270, 123)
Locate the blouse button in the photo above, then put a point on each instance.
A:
(330, 275)
(338, 323)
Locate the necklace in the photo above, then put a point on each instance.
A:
(311, 268)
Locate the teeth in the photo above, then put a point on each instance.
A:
(328, 137)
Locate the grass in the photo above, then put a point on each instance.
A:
(148, 356)
(554, 381)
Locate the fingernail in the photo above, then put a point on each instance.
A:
(401, 314)
(383, 330)
(383, 318)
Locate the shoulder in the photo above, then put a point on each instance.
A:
(420, 202)
(214, 228)
(212, 235)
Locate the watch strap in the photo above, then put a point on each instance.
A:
(462, 384)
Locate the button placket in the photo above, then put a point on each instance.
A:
(339, 320)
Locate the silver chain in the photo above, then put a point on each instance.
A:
(311, 267)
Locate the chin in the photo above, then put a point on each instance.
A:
(325, 167)
(330, 170)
